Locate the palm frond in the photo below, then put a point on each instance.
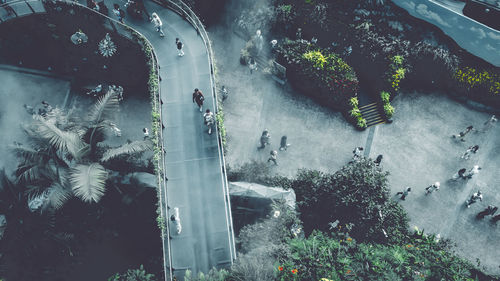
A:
(28, 172)
(66, 141)
(128, 148)
(29, 154)
(105, 108)
(88, 181)
(58, 195)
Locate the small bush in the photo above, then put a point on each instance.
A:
(385, 96)
(354, 102)
(389, 110)
(319, 73)
(474, 79)
(361, 123)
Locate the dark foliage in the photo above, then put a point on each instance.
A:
(356, 194)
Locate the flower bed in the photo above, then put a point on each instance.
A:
(319, 73)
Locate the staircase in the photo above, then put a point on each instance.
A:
(372, 113)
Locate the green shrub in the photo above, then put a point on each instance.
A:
(340, 257)
(474, 79)
(389, 110)
(354, 102)
(319, 73)
(355, 112)
(316, 58)
(396, 72)
(355, 194)
(385, 96)
(361, 122)
(133, 275)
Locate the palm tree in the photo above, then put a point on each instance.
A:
(67, 157)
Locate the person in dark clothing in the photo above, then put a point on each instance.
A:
(283, 143)
(103, 9)
(489, 211)
(404, 193)
(265, 138)
(198, 98)
(378, 160)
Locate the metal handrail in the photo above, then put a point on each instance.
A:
(157, 104)
(184, 11)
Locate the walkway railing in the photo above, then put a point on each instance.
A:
(28, 7)
(185, 12)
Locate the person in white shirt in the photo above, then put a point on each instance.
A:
(155, 19)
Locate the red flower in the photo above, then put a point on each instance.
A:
(280, 268)
(294, 271)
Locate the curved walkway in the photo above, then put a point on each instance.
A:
(193, 164)
(195, 180)
(195, 174)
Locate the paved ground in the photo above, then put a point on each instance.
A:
(19, 89)
(193, 165)
(417, 148)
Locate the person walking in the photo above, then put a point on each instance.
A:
(198, 97)
(474, 170)
(433, 187)
(471, 149)
(459, 174)
(209, 120)
(489, 211)
(119, 13)
(462, 135)
(155, 19)
(273, 157)
(265, 138)
(378, 160)
(252, 65)
(488, 124)
(283, 143)
(145, 131)
(179, 45)
(474, 198)
(357, 153)
(404, 193)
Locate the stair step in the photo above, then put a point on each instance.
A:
(374, 119)
(369, 125)
(368, 105)
(369, 111)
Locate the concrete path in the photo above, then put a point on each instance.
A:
(193, 166)
(418, 149)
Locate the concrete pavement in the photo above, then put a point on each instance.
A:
(193, 166)
(418, 149)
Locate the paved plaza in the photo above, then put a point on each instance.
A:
(417, 147)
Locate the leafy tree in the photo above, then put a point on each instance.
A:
(66, 156)
(358, 195)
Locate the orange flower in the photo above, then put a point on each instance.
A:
(349, 239)
(409, 246)
(280, 268)
(294, 271)
(348, 271)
